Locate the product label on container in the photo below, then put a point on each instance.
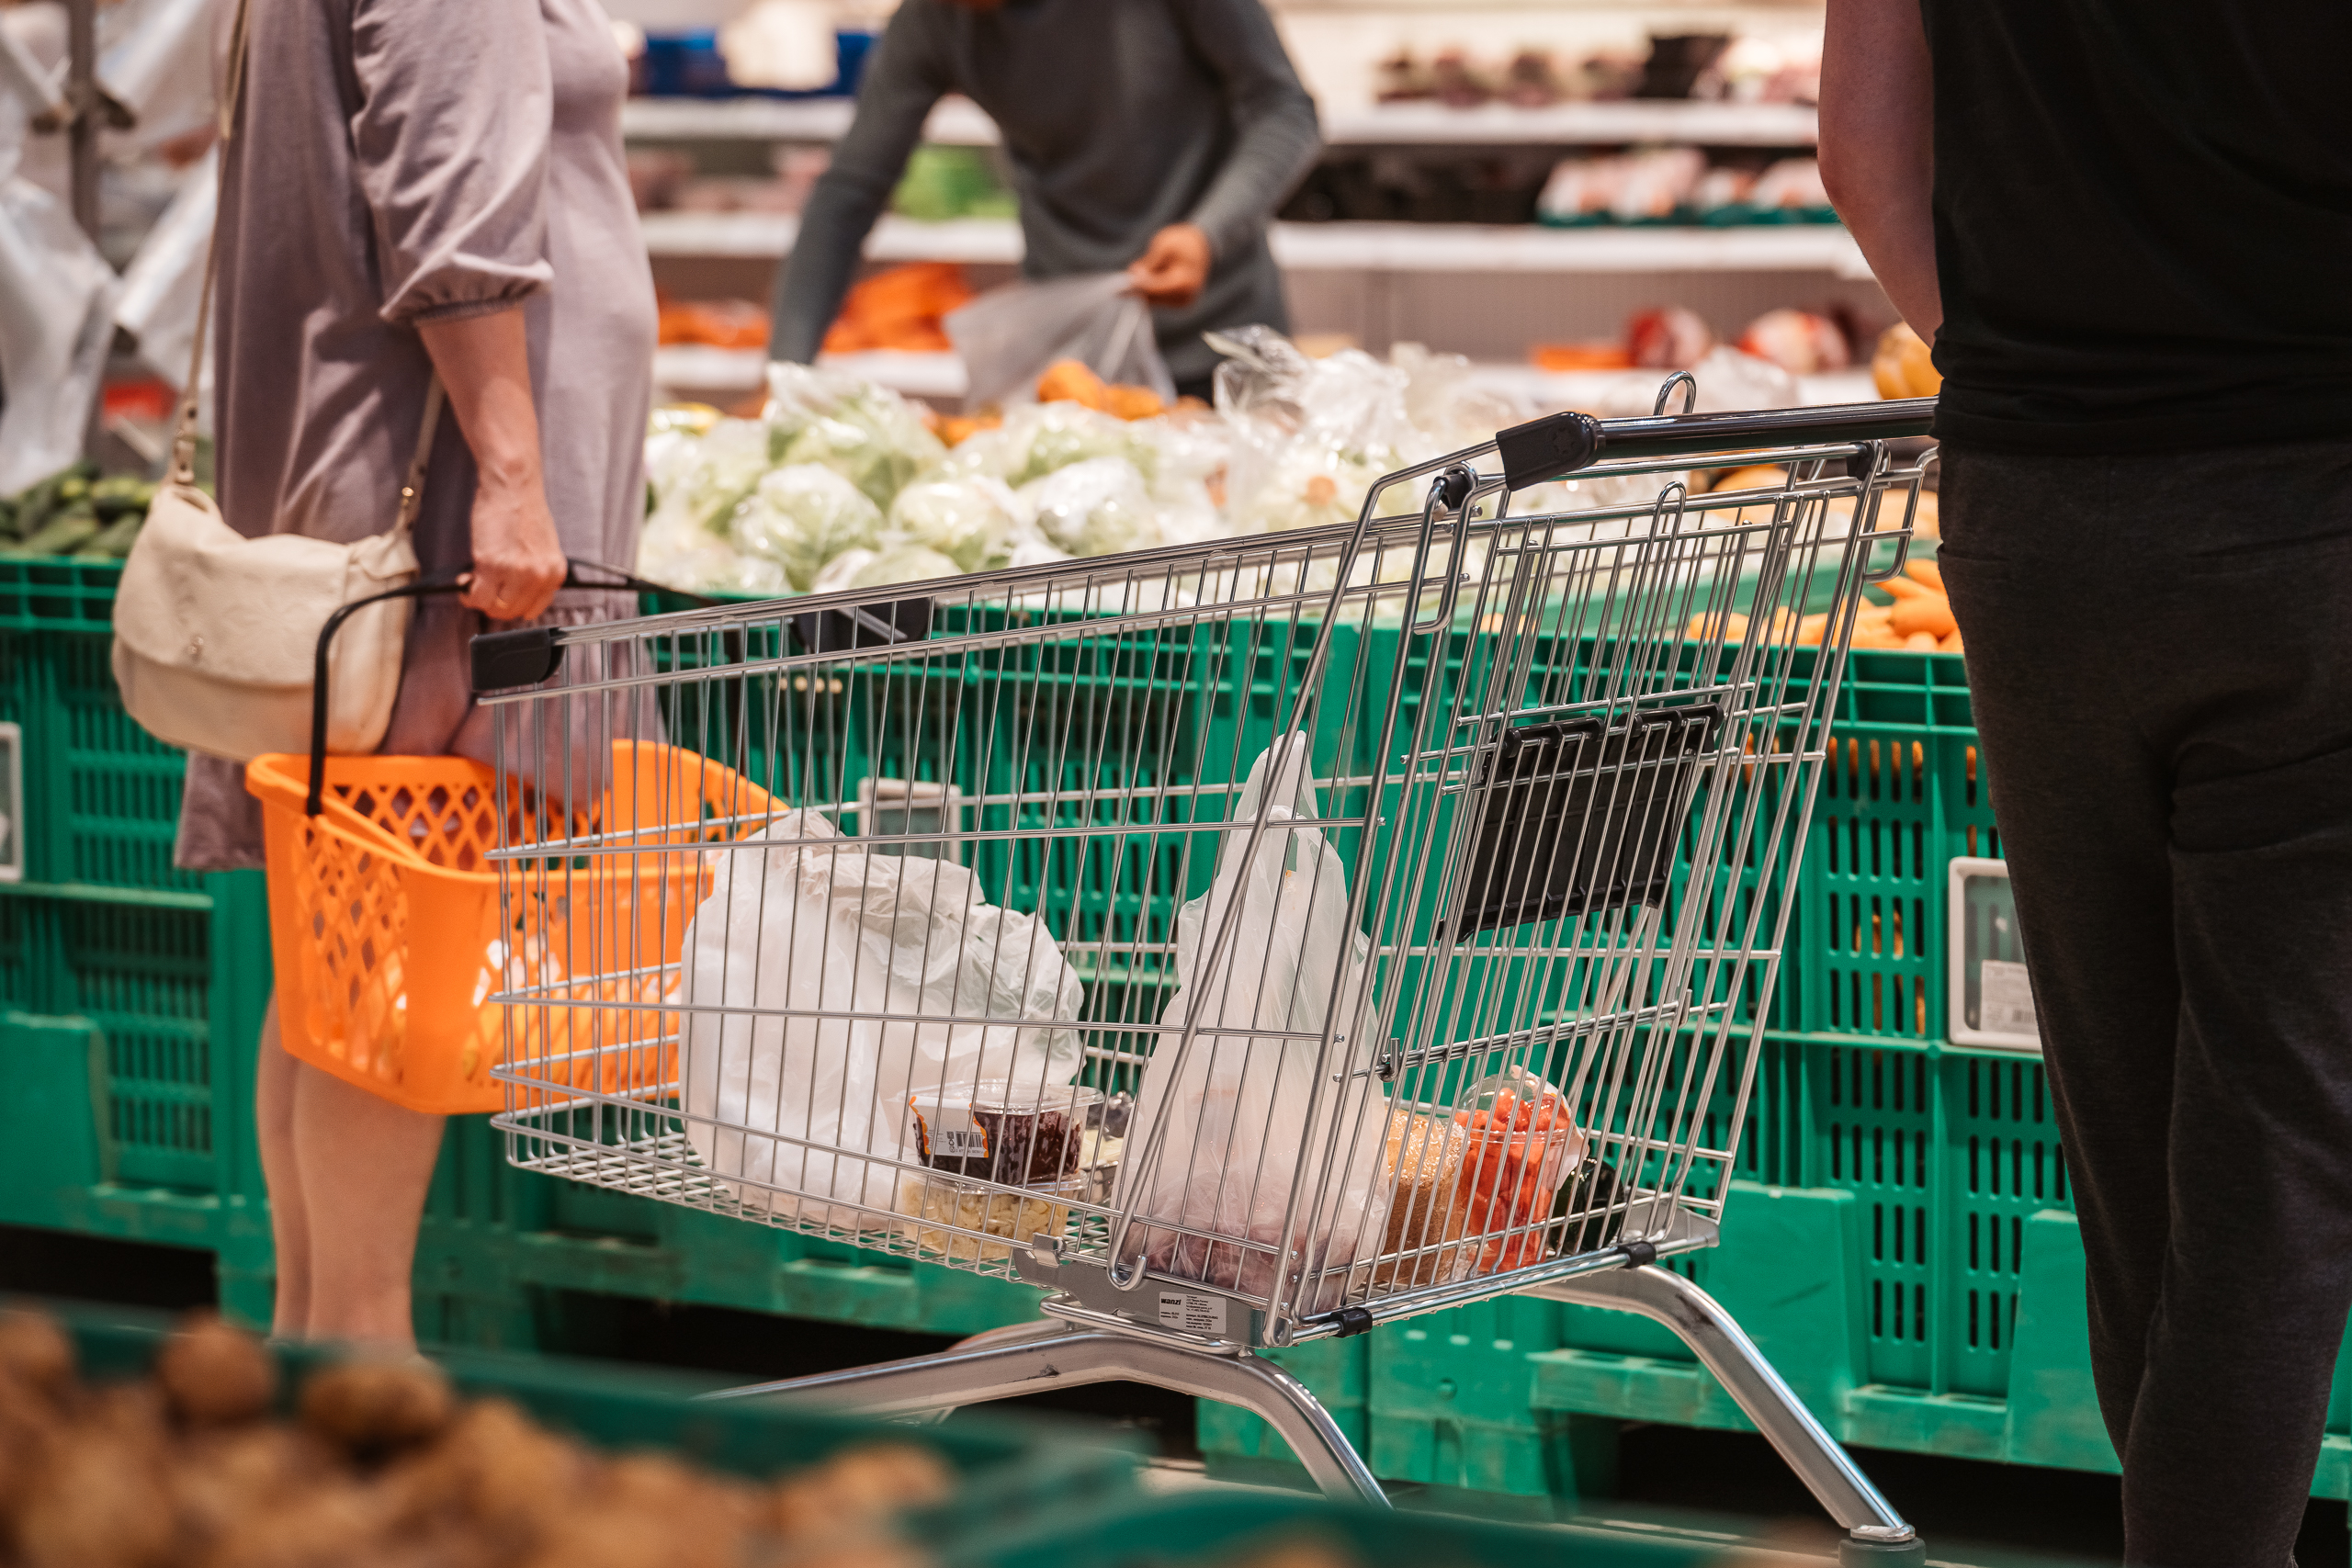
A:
(953, 1134)
(2005, 1000)
(1192, 1313)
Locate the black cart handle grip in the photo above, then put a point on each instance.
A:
(1558, 445)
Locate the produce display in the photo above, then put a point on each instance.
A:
(1904, 366)
(76, 513)
(839, 484)
(1678, 185)
(381, 1463)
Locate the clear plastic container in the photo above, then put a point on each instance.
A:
(1519, 1145)
(970, 1222)
(1017, 1134)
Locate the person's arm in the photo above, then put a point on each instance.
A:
(1878, 147)
(1276, 141)
(485, 365)
(450, 145)
(893, 100)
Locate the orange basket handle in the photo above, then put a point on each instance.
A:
(457, 581)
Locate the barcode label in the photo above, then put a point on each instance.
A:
(2005, 1000)
(1192, 1313)
(953, 1135)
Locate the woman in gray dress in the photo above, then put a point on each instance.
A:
(418, 185)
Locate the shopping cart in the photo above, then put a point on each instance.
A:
(1250, 942)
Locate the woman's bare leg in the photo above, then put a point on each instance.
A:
(274, 1084)
(365, 1165)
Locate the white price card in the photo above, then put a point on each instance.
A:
(2005, 999)
(1193, 1312)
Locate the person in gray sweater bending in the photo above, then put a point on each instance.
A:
(1157, 136)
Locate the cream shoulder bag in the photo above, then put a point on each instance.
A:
(215, 634)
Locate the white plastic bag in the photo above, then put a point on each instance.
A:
(1008, 335)
(56, 324)
(1230, 1123)
(815, 924)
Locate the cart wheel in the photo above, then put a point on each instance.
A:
(1859, 1550)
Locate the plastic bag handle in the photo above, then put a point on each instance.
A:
(314, 801)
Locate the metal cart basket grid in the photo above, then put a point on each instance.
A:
(1252, 940)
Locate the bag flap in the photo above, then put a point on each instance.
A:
(197, 595)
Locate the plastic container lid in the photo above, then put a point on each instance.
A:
(1017, 1134)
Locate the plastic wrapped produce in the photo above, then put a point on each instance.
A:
(1099, 507)
(1216, 1137)
(868, 435)
(801, 516)
(813, 923)
(719, 472)
(1799, 341)
(976, 521)
(903, 563)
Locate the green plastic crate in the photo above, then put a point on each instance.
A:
(1903, 793)
(1211, 1528)
(174, 996)
(54, 593)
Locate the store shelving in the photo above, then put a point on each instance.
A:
(1327, 247)
(959, 122)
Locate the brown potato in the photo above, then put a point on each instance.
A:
(212, 1373)
(34, 1356)
(368, 1406)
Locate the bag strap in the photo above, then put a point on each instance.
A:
(315, 801)
(182, 472)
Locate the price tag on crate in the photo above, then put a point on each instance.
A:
(1992, 998)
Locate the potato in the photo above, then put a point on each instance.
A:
(212, 1373)
(367, 1406)
(1929, 614)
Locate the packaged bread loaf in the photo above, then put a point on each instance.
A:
(1424, 1162)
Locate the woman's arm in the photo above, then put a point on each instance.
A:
(1878, 147)
(485, 365)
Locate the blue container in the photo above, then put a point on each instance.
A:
(688, 65)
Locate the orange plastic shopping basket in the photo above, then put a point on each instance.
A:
(386, 926)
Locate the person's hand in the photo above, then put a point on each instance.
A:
(1174, 267)
(519, 560)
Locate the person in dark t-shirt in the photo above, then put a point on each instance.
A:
(2126, 226)
(1157, 136)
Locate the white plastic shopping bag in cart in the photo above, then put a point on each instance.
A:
(863, 952)
(1008, 336)
(1216, 1141)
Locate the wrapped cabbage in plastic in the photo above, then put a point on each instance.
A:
(903, 563)
(802, 516)
(977, 521)
(868, 435)
(1099, 507)
(1038, 439)
(711, 477)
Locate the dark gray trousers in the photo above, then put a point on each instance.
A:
(2160, 654)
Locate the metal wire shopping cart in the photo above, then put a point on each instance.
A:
(1248, 942)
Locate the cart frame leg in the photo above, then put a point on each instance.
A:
(1030, 1358)
(1875, 1533)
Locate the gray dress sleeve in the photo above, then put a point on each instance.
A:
(1277, 137)
(902, 82)
(449, 143)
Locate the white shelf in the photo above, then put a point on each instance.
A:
(1327, 247)
(770, 236)
(959, 122)
(1568, 125)
(955, 123)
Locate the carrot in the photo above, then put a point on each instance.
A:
(1929, 614)
(1926, 571)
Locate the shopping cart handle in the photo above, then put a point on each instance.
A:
(1560, 443)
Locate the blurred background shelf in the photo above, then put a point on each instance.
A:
(1326, 247)
(959, 122)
